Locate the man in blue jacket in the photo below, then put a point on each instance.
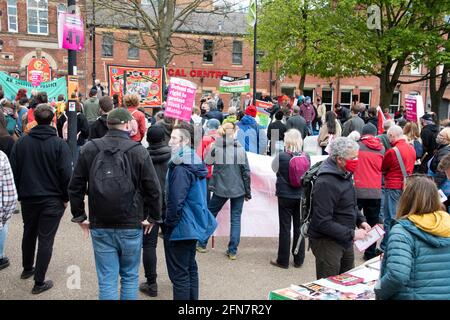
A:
(250, 135)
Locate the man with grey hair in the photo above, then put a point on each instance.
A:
(296, 121)
(335, 214)
(398, 163)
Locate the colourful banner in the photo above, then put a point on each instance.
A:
(180, 100)
(53, 88)
(36, 78)
(40, 65)
(146, 82)
(234, 85)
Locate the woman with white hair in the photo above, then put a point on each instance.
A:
(289, 197)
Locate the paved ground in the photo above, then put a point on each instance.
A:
(249, 277)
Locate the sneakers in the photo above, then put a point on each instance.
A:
(44, 287)
(201, 249)
(276, 264)
(27, 274)
(230, 256)
(149, 289)
(4, 263)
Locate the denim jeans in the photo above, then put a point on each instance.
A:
(215, 205)
(391, 198)
(3, 235)
(309, 127)
(117, 252)
(182, 268)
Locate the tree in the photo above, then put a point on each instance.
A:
(157, 22)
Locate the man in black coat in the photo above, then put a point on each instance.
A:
(276, 131)
(428, 135)
(334, 211)
(296, 121)
(42, 166)
(100, 127)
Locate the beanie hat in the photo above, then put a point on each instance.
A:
(213, 124)
(155, 134)
(369, 129)
(119, 116)
(251, 111)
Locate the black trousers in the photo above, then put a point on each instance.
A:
(331, 258)
(149, 258)
(289, 214)
(40, 223)
(371, 210)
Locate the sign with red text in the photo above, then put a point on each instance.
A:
(180, 100)
(235, 85)
(70, 32)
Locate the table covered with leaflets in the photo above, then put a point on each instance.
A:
(356, 284)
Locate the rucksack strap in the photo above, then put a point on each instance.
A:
(124, 146)
(400, 161)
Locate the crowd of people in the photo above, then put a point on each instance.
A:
(181, 181)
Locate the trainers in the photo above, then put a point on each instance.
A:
(4, 263)
(149, 289)
(230, 256)
(27, 274)
(201, 249)
(276, 264)
(44, 287)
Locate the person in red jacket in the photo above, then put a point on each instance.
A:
(139, 122)
(368, 177)
(393, 176)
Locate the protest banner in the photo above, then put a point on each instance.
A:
(36, 78)
(230, 84)
(414, 107)
(70, 32)
(144, 81)
(52, 88)
(72, 86)
(39, 65)
(180, 99)
(262, 116)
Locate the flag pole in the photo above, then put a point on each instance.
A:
(254, 52)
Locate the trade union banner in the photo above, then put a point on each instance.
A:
(230, 84)
(39, 66)
(53, 88)
(145, 81)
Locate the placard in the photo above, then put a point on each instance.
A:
(180, 100)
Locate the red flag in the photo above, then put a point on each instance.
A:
(381, 120)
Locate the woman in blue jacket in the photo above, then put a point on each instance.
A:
(187, 217)
(416, 263)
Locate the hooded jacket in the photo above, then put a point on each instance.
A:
(42, 165)
(335, 214)
(187, 214)
(428, 135)
(368, 174)
(231, 177)
(168, 127)
(143, 176)
(160, 153)
(417, 259)
(99, 128)
(393, 176)
(251, 136)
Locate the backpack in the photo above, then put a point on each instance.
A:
(11, 124)
(65, 128)
(134, 125)
(112, 192)
(298, 166)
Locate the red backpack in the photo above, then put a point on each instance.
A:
(298, 165)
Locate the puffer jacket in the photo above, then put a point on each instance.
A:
(416, 263)
(187, 214)
(251, 136)
(368, 174)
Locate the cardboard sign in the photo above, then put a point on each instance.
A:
(181, 99)
(70, 32)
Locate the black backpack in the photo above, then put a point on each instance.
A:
(112, 192)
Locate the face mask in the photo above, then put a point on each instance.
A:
(351, 165)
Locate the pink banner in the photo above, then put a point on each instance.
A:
(180, 100)
(72, 32)
(411, 108)
(36, 78)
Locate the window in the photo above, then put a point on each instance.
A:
(309, 93)
(12, 16)
(237, 52)
(395, 103)
(107, 45)
(416, 70)
(288, 91)
(37, 11)
(133, 50)
(208, 46)
(327, 98)
(365, 97)
(61, 9)
(346, 99)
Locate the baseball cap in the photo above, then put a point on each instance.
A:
(119, 116)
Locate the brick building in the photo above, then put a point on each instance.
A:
(221, 46)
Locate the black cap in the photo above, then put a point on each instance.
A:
(427, 117)
(155, 134)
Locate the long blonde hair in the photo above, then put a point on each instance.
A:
(293, 141)
(420, 196)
